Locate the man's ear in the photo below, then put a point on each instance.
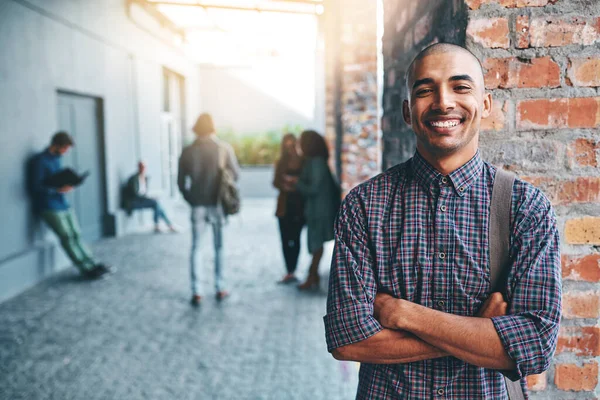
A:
(406, 112)
(487, 105)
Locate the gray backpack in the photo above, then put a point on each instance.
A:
(229, 194)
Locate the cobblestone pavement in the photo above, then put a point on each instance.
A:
(135, 336)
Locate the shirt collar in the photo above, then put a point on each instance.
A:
(461, 179)
(50, 154)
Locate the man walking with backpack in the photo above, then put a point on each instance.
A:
(208, 170)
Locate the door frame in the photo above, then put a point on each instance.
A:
(108, 223)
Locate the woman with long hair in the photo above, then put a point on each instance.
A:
(290, 209)
(321, 195)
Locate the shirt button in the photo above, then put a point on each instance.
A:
(442, 255)
(443, 208)
(444, 180)
(441, 392)
(441, 303)
(461, 189)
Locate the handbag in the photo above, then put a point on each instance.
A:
(499, 239)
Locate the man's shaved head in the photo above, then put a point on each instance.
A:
(446, 103)
(435, 49)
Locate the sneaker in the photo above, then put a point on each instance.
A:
(221, 294)
(101, 270)
(195, 300)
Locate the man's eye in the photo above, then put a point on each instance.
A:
(422, 92)
(462, 88)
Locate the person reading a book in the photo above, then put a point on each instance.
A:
(136, 198)
(51, 205)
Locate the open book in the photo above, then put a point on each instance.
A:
(65, 177)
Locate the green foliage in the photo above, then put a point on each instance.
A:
(257, 148)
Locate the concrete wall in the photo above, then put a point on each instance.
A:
(541, 60)
(86, 47)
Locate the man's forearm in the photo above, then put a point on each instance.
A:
(388, 347)
(471, 339)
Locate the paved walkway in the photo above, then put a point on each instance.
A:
(134, 335)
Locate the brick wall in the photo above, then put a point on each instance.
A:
(542, 65)
(352, 125)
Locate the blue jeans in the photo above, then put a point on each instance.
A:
(201, 218)
(140, 202)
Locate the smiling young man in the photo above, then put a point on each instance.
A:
(409, 293)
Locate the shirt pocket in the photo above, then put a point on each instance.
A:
(471, 284)
(406, 278)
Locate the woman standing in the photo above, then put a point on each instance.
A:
(290, 210)
(321, 195)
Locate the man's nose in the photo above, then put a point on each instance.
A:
(444, 101)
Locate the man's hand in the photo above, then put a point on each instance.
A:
(386, 310)
(65, 189)
(494, 306)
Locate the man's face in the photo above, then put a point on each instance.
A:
(447, 100)
(60, 150)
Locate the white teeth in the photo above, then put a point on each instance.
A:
(444, 124)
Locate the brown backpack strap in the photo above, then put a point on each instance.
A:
(499, 241)
(499, 229)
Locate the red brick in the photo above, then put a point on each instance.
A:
(506, 73)
(583, 153)
(537, 383)
(583, 231)
(576, 378)
(489, 32)
(558, 113)
(522, 31)
(475, 4)
(581, 305)
(580, 190)
(564, 192)
(581, 341)
(584, 71)
(581, 268)
(497, 119)
(562, 31)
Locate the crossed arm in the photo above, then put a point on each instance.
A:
(367, 326)
(415, 333)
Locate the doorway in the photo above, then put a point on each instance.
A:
(81, 117)
(172, 121)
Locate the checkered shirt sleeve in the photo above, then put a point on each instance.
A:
(529, 330)
(352, 286)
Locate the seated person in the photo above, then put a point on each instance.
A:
(135, 198)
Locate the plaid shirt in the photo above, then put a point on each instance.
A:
(423, 237)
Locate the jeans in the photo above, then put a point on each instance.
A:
(146, 202)
(290, 227)
(201, 218)
(64, 225)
